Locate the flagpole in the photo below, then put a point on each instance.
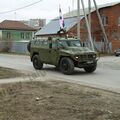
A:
(78, 19)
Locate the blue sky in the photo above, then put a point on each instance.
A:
(47, 9)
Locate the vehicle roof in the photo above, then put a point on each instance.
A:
(55, 39)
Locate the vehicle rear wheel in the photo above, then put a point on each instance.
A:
(91, 69)
(37, 63)
(66, 66)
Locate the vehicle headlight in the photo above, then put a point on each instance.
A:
(76, 57)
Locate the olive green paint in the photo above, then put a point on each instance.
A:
(65, 54)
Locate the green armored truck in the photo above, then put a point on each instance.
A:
(65, 54)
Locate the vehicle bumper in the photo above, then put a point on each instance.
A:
(86, 64)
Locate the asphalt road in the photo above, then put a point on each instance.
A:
(107, 75)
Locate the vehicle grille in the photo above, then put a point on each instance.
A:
(86, 57)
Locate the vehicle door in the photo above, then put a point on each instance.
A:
(53, 53)
(44, 51)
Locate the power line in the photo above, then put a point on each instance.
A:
(4, 12)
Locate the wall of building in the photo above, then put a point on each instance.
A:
(19, 47)
(112, 28)
(16, 35)
(15, 41)
(0, 34)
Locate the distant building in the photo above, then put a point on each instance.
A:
(14, 35)
(35, 23)
(111, 20)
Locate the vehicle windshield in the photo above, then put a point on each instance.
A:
(69, 43)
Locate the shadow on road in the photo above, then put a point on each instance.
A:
(56, 70)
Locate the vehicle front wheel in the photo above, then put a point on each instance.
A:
(91, 69)
(116, 55)
(37, 63)
(66, 66)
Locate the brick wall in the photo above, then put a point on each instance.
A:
(112, 28)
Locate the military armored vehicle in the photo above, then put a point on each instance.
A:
(65, 54)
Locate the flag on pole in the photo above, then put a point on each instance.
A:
(61, 19)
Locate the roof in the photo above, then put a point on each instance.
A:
(15, 25)
(74, 12)
(53, 26)
(70, 20)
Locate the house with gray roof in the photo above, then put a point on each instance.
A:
(53, 27)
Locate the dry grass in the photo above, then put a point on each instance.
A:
(55, 100)
(8, 73)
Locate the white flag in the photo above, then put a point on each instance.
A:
(61, 19)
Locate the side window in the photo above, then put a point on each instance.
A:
(118, 21)
(37, 42)
(45, 44)
(22, 35)
(8, 35)
(105, 20)
(27, 35)
(54, 45)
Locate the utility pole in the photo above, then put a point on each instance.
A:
(78, 19)
(102, 27)
(88, 26)
(89, 12)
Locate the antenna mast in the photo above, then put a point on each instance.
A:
(78, 19)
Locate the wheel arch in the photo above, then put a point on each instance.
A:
(35, 53)
(62, 56)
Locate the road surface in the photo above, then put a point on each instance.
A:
(107, 75)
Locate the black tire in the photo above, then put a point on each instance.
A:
(66, 65)
(29, 46)
(37, 63)
(91, 69)
(116, 55)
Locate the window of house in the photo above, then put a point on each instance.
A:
(8, 35)
(118, 21)
(27, 35)
(105, 20)
(22, 35)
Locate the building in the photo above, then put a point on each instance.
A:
(35, 23)
(110, 16)
(53, 27)
(14, 35)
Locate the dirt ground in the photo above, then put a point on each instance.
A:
(57, 100)
(8, 73)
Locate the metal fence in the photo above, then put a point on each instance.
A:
(14, 46)
(21, 46)
(99, 46)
